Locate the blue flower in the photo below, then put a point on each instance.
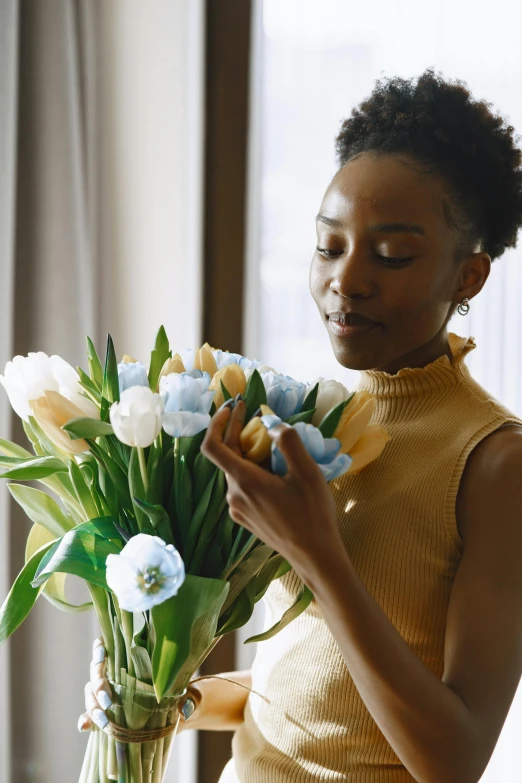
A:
(132, 374)
(187, 403)
(325, 451)
(224, 358)
(285, 395)
(188, 355)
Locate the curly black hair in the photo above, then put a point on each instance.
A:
(450, 135)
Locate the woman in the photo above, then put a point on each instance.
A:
(406, 663)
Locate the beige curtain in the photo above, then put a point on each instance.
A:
(100, 148)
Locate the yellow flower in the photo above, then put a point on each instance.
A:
(355, 419)
(204, 360)
(369, 446)
(128, 360)
(255, 440)
(234, 381)
(171, 365)
(52, 411)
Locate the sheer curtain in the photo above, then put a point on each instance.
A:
(313, 61)
(101, 139)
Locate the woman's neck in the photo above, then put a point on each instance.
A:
(421, 356)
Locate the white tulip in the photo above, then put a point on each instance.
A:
(137, 418)
(145, 573)
(28, 378)
(330, 394)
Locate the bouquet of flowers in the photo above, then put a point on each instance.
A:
(133, 507)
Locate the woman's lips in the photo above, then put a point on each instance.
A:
(347, 330)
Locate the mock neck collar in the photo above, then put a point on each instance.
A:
(438, 375)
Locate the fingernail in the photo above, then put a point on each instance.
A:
(257, 413)
(98, 655)
(104, 700)
(228, 404)
(81, 723)
(270, 420)
(239, 396)
(188, 708)
(100, 718)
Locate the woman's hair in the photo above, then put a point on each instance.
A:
(453, 136)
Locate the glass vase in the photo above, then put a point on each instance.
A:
(135, 746)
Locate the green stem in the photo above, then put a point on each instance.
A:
(143, 468)
(128, 630)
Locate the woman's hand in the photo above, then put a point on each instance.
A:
(98, 695)
(293, 514)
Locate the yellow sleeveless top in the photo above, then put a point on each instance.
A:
(398, 524)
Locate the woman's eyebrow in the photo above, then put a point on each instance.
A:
(387, 228)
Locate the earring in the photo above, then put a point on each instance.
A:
(463, 308)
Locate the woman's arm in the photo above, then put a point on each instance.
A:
(442, 730)
(222, 703)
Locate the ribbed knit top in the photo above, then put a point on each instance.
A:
(398, 524)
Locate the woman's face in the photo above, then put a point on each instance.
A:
(378, 207)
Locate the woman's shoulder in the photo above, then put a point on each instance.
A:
(501, 447)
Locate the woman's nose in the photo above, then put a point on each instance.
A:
(351, 275)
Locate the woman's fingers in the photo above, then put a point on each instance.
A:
(97, 691)
(100, 684)
(84, 722)
(235, 425)
(189, 704)
(94, 708)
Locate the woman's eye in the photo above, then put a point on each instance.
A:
(392, 261)
(328, 253)
(387, 259)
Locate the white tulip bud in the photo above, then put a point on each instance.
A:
(138, 418)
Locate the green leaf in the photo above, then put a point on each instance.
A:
(111, 386)
(42, 445)
(54, 588)
(183, 492)
(83, 427)
(275, 568)
(329, 424)
(83, 493)
(118, 477)
(204, 472)
(246, 571)
(160, 353)
(41, 509)
(14, 450)
(95, 367)
(241, 612)
(185, 627)
(235, 556)
(255, 394)
(102, 526)
(36, 469)
(159, 520)
(21, 597)
(204, 523)
(226, 393)
(310, 399)
(305, 416)
(11, 462)
(303, 600)
(142, 663)
(155, 473)
(80, 552)
(88, 386)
